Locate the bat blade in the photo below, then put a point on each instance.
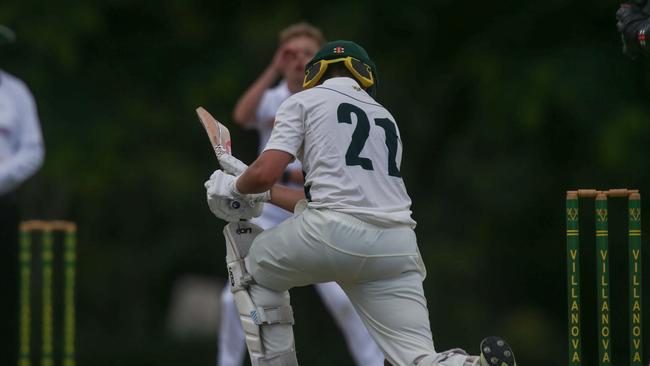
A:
(217, 133)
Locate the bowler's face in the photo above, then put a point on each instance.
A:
(304, 48)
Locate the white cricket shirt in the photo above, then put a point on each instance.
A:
(265, 114)
(272, 98)
(350, 149)
(21, 143)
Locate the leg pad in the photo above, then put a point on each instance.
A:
(255, 318)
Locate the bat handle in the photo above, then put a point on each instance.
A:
(219, 150)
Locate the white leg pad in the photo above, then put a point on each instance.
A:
(239, 238)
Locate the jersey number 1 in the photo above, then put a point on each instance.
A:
(360, 135)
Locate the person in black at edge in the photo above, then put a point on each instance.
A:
(633, 22)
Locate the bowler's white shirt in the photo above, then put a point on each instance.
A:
(317, 125)
(265, 115)
(21, 143)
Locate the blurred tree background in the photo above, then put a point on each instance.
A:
(502, 106)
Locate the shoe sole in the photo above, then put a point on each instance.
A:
(496, 352)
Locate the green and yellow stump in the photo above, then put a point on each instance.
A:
(604, 326)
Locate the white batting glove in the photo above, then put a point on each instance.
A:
(258, 197)
(231, 164)
(233, 210)
(236, 167)
(222, 184)
(225, 204)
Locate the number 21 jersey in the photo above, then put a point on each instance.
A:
(351, 151)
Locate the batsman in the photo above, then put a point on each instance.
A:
(352, 223)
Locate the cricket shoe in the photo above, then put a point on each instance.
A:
(496, 352)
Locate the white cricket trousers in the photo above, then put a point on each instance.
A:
(379, 268)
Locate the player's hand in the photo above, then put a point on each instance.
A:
(233, 210)
(231, 164)
(222, 184)
(225, 204)
(282, 57)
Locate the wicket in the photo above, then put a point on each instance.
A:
(46, 230)
(602, 274)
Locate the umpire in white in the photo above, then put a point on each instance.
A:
(21, 155)
(355, 226)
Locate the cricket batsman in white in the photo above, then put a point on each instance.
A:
(256, 109)
(352, 224)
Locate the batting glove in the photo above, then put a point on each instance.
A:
(227, 203)
(233, 210)
(234, 166)
(231, 164)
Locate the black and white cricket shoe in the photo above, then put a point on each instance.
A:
(496, 352)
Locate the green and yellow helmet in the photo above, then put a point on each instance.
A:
(6, 35)
(353, 56)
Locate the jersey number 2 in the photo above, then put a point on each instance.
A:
(360, 135)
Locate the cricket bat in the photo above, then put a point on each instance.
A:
(217, 133)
